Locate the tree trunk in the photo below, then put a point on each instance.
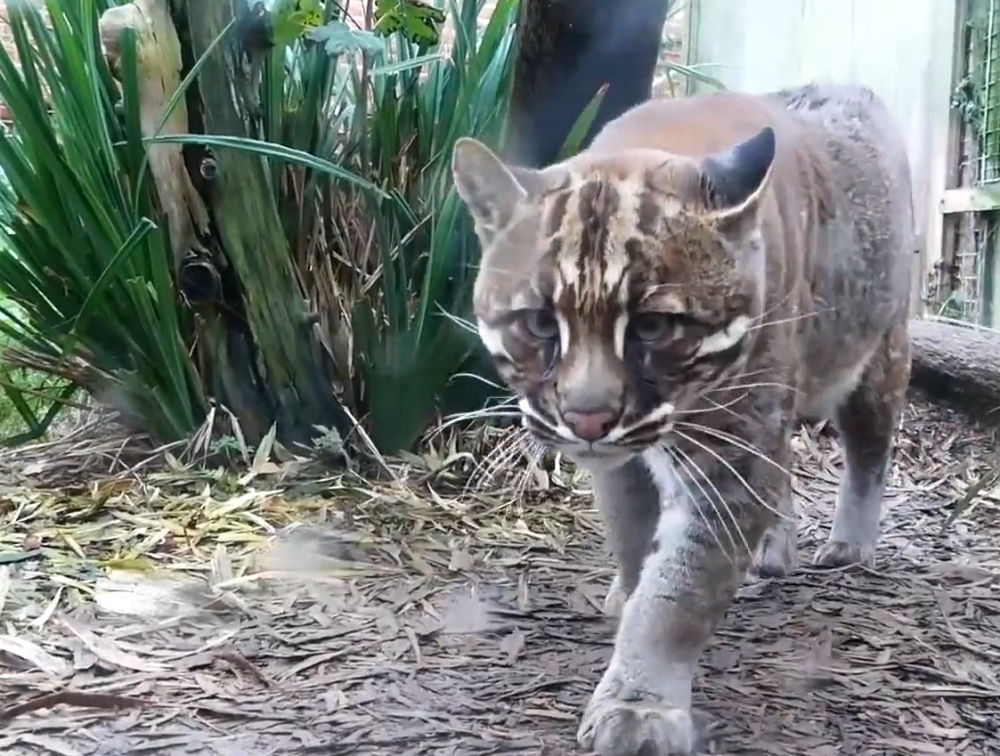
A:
(958, 366)
(568, 49)
(255, 332)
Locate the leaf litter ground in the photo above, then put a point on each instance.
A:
(172, 618)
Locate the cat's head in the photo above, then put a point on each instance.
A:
(617, 288)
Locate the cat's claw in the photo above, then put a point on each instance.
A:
(613, 727)
(842, 554)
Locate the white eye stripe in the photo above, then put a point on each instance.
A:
(722, 340)
(564, 334)
(621, 328)
(492, 339)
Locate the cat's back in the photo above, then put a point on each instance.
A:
(860, 168)
(835, 142)
(858, 252)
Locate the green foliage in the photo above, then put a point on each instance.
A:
(418, 22)
(582, 125)
(29, 399)
(358, 126)
(290, 19)
(406, 259)
(87, 264)
(80, 259)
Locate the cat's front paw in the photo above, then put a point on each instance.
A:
(614, 726)
(777, 556)
(778, 550)
(842, 554)
(614, 602)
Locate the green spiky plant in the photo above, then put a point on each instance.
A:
(407, 269)
(373, 253)
(86, 274)
(86, 261)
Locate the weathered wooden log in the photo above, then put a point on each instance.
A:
(958, 366)
(271, 357)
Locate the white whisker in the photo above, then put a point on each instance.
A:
(464, 417)
(736, 442)
(723, 461)
(792, 319)
(746, 386)
(715, 406)
(493, 462)
(690, 470)
(534, 452)
(727, 409)
(656, 417)
(558, 429)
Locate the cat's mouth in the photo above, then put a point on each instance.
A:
(622, 441)
(601, 455)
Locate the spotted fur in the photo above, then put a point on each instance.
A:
(665, 304)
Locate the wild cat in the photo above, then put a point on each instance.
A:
(665, 304)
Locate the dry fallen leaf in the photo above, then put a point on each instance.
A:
(418, 659)
(35, 655)
(106, 650)
(138, 594)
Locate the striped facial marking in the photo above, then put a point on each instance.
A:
(614, 293)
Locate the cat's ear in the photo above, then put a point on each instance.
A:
(490, 188)
(733, 182)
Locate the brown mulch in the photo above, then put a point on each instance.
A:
(445, 625)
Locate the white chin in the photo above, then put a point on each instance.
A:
(599, 462)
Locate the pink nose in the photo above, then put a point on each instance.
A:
(590, 426)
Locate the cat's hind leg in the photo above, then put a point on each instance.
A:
(867, 421)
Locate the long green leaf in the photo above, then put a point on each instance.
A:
(269, 150)
(582, 125)
(80, 253)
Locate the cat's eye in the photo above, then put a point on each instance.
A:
(542, 324)
(651, 326)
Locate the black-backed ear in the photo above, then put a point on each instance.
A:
(733, 182)
(490, 189)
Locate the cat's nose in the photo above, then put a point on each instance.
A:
(590, 425)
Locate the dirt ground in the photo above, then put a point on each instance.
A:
(469, 626)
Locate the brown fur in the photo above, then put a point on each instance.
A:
(665, 304)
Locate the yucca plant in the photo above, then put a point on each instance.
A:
(397, 268)
(86, 273)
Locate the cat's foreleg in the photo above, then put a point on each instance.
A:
(697, 561)
(629, 504)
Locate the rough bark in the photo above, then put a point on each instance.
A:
(568, 49)
(958, 366)
(255, 343)
(158, 63)
(276, 347)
